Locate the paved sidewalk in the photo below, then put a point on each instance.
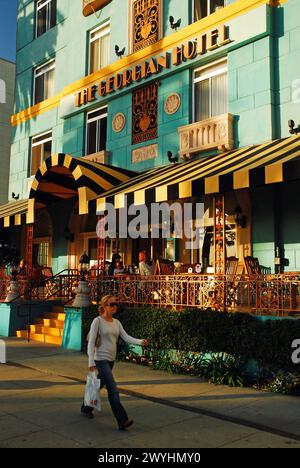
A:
(169, 410)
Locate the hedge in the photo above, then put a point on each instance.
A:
(269, 343)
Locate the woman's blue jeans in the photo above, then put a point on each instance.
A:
(107, 379)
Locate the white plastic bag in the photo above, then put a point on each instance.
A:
(92, 391)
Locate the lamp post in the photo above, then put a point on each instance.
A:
(82, 298)
(13, 291)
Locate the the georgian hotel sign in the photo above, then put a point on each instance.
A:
(209, 41)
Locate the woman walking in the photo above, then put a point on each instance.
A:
(102, 358)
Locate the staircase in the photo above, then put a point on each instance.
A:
(48, 329)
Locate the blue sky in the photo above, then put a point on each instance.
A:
(8, 14)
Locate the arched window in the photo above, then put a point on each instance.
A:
(2, 92)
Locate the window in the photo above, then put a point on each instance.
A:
(44, 81)
(42, 251)
(43, 254)
(40, 150)
(45, 16)
(99, 48)
(2, 92)
(210, 91)
(96, 131)
(203, 8)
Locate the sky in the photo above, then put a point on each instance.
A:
(8, 14)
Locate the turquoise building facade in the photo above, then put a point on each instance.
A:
(256, 46)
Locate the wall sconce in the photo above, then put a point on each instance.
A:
(119, 52)
(239, 217)
(293, 130)
(172, 159)
(173, 24)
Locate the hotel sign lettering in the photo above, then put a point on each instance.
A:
(209, 41)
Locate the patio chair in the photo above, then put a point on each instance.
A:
(231, 267)
(49, 281)
(254, 268)
(164, 268)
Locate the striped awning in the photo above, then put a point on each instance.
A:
(16, 213)
(63, 176)
(253, 166)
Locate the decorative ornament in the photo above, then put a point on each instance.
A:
(119, 122)
(172, 103)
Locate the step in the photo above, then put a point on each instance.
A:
(54, 316)
(38, 329)
(57, 340)
(50, 323)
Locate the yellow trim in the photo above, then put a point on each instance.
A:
(43, 168)
(241, 180)
(85, 194)
(30, 212)
(54, 160)
(185, 189)
(67, 161)
(77, 173)
(212, 185)
(239, 7)
(139, 198)
(161, 193)
(274, 173)
(35, 184)
(17, 220)
(119, 201)
(6, 221)
(101, 205)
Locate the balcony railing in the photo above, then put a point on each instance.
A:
(100, 157)
(215, 133)
(90, 6)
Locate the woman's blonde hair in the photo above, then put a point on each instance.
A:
(103, 302)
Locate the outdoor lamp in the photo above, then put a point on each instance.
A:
(84, 265)
(82, 298)
(239, 217)
(13, 291)
(293, 130)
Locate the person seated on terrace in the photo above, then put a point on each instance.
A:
(119, 270)
(145, 268)
(115, 258)
(22, 268)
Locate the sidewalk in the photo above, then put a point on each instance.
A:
(146, 390)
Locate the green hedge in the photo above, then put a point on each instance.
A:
(241, 335)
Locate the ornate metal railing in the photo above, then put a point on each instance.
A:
(270, 294)
(214, 133)
(277, 295)
(61, 286)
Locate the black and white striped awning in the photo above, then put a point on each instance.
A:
(63, 176)
(253, 166)
(16, 213)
